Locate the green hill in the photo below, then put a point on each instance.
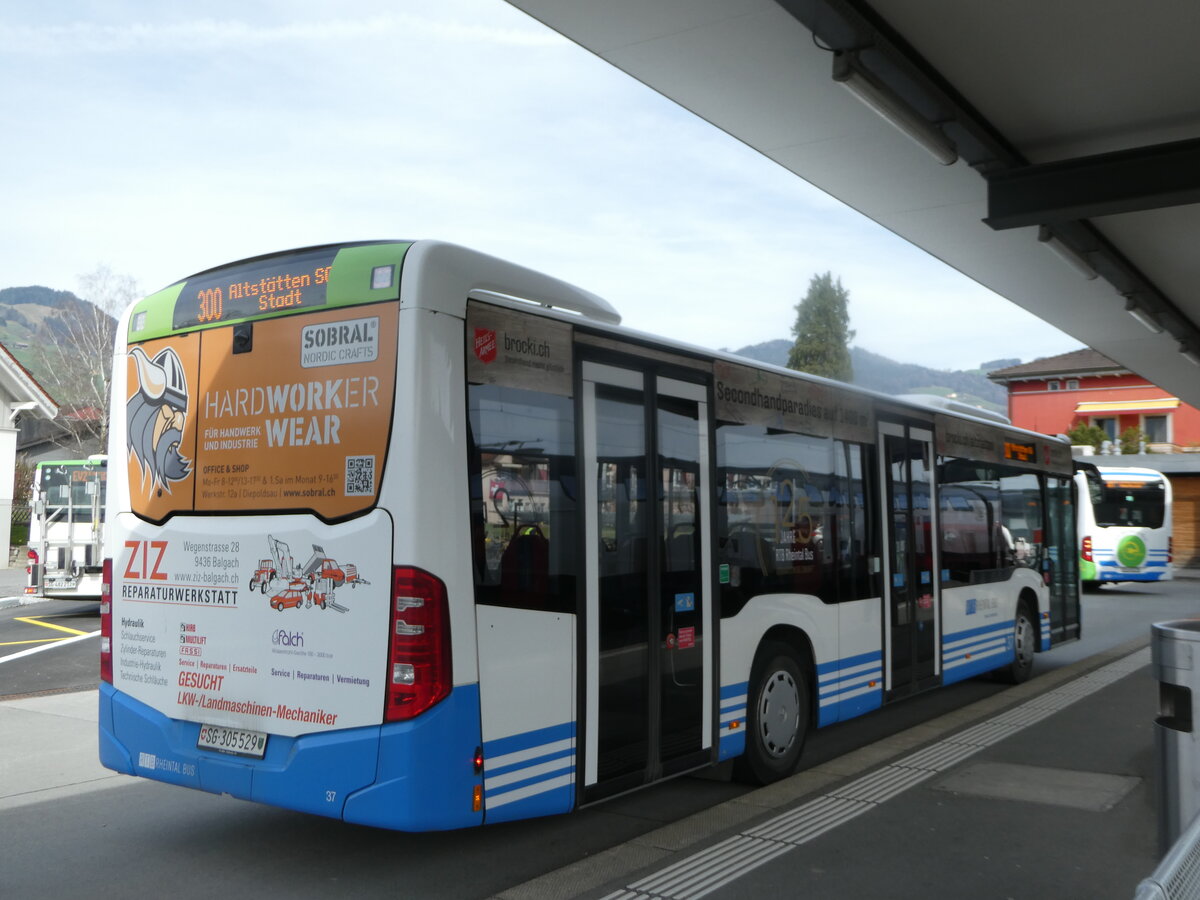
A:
(33, 318)
(878, 373)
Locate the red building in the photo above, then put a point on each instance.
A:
(1054, 394)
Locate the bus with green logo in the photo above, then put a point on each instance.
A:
(1124, 521)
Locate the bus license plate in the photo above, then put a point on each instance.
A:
(239, 741)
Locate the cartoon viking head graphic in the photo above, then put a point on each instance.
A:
(156, 415)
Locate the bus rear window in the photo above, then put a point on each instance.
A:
(1142, 506)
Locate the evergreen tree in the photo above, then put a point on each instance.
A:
(822, 330)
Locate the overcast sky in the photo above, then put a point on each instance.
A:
(161, 139)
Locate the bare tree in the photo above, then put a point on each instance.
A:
(77, 357)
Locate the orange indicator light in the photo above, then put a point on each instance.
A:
(735, 725)
(477, 799)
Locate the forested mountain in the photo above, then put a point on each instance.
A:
(33, 319)
(878, 373)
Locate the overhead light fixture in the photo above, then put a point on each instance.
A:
(896, 112)
(1189, 353)
(1068, 255)
(1144, 316)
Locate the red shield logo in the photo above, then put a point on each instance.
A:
(485, 345)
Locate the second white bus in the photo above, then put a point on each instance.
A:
(1124, 525)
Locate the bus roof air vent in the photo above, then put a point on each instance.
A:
(955, 406)
(577, 301)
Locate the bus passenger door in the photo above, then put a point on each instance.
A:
(648, 652)
(912, 606)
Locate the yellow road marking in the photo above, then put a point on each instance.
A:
(38, 641)
(33, 620)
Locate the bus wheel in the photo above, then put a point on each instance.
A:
(777, 716)
(1024, 640)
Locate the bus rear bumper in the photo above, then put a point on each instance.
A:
(1145, 575)
(410, 776)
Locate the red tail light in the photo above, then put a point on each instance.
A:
(1170, 549)
(31, 584)
(1085, 551)
(106, 659)
(419, 669)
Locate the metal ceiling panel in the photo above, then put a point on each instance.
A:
(1042, 82)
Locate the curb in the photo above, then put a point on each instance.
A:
(9, 602)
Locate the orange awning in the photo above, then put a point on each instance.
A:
(1127, 406)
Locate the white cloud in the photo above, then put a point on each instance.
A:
(162, 143)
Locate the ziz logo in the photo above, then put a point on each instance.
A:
(285, 638)
(485, 345)
(145, 560)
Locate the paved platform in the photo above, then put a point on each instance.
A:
(1045, 790)
(1048, 789)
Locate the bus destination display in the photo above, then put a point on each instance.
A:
(1020, 452)
(255, 288)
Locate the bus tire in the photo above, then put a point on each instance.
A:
(777, 716)
(1024, 644)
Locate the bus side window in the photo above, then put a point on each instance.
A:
(522, 486)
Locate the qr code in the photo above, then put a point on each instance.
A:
(360, 476)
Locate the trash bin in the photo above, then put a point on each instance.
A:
(1175, 652)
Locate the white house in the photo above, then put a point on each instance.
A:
(19, 392)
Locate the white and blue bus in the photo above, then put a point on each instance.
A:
(1124, 525)
(410, 536)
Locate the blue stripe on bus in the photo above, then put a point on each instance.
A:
(733, 690)
(977, 650)
(561, 753)
(848, 661)
(733, 720)
(1131, 576)
(539, 737)
(843, 694)
(530, 774)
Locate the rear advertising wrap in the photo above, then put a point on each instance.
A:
(254, 623)
(283, 414)
(270, 623)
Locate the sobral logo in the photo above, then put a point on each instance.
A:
(1131, 552)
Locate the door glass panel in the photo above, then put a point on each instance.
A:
(624, 522)
(681, 600)
(910, 551)
(898, 549)
(922, 559)
(1062, 560)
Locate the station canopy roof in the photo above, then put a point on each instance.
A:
(1048, 150)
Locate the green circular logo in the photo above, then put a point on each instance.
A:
(1131, 552)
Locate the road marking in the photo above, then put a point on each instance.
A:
(36, 620)
(46, 646)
